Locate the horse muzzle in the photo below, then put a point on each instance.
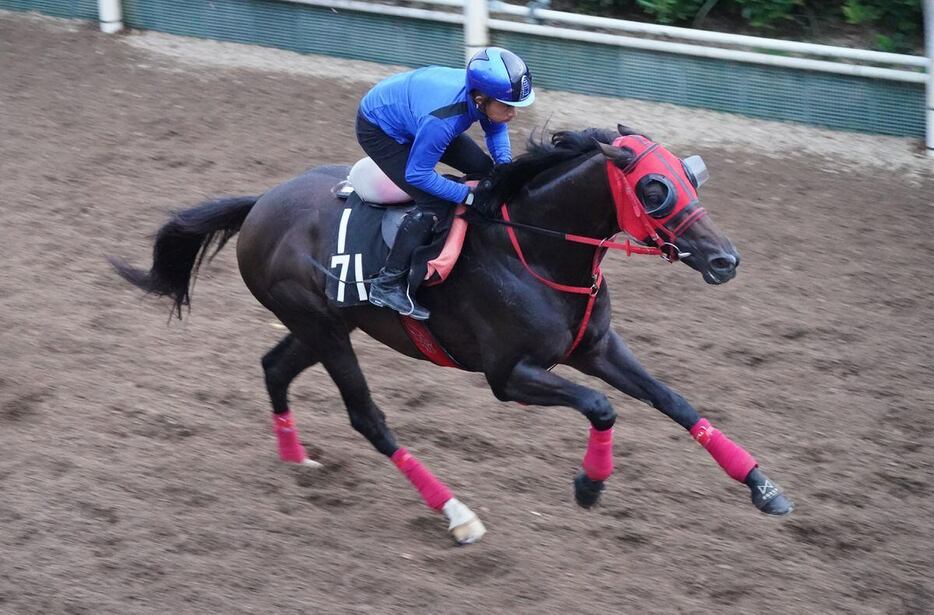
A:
(720, 268)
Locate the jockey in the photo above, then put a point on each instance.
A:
(411, 121)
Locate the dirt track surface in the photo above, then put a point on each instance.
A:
(138, 473)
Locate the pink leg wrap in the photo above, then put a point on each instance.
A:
(598, 462)
(432, 490)
(290, 449)
(732, 457)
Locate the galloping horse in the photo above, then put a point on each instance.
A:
(527, 293)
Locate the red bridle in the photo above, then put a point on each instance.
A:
(631, 217)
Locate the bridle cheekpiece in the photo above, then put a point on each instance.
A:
(681, 207)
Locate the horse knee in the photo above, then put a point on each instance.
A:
(599, 411)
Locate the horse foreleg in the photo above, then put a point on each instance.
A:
(369, 420)
(534, 385)
(612, 361)
(280, 366)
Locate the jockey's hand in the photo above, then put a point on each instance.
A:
(479, 198)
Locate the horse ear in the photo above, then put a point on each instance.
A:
(620, 156)
(625, 131)
(608, 150)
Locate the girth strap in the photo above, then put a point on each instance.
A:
(426, 342)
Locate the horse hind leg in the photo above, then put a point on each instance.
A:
(332, 341)
(281, 366)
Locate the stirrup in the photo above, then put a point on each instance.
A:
(394, 294)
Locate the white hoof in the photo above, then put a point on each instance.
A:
(310, 463)
(465, 526)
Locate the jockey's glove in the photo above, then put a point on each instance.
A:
(479, 198)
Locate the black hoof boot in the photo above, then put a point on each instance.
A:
(391, 290)
(587, 491)
(766, 495)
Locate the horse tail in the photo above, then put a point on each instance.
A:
(181, 246)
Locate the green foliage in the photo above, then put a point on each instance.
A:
(767, 13)
(671, 11)
(860, 12)
(899, 20)
(894, 25)
(886, 43)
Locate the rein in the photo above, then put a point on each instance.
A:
(596, 275)
(627, 246)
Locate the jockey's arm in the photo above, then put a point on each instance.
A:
(497, 140)
(430, 143)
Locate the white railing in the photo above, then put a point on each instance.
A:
(474, 15)
(534, 22)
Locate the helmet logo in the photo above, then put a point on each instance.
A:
(525, 86)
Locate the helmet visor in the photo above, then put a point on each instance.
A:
(525, 102)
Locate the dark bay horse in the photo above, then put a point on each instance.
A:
(526, 294)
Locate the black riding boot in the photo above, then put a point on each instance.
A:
(391, 288)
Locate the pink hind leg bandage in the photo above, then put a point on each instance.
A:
(431, 489)
(290, 449)
(598, 462)
(732, 457)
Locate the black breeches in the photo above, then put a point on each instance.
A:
(391, 156)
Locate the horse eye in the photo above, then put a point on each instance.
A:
(658, 196)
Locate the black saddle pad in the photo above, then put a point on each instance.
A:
(360, 251)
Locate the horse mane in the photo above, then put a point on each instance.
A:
(508, 179)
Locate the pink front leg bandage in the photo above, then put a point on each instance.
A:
(598, 462)
(431, 489)
(732, 457)
(290, 448)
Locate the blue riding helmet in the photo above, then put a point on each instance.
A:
(500, 74)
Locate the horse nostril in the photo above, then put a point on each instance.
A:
(724, 263)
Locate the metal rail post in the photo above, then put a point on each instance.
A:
(110, 15)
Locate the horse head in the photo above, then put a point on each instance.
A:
(655, 196)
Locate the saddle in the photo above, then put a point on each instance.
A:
(373, 210)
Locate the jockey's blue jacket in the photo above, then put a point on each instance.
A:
(428, 108)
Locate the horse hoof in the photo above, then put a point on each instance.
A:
(300, 460)
(766, 496)
(465, 526)
(779, 506)
(470, 532)
(587, 491)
